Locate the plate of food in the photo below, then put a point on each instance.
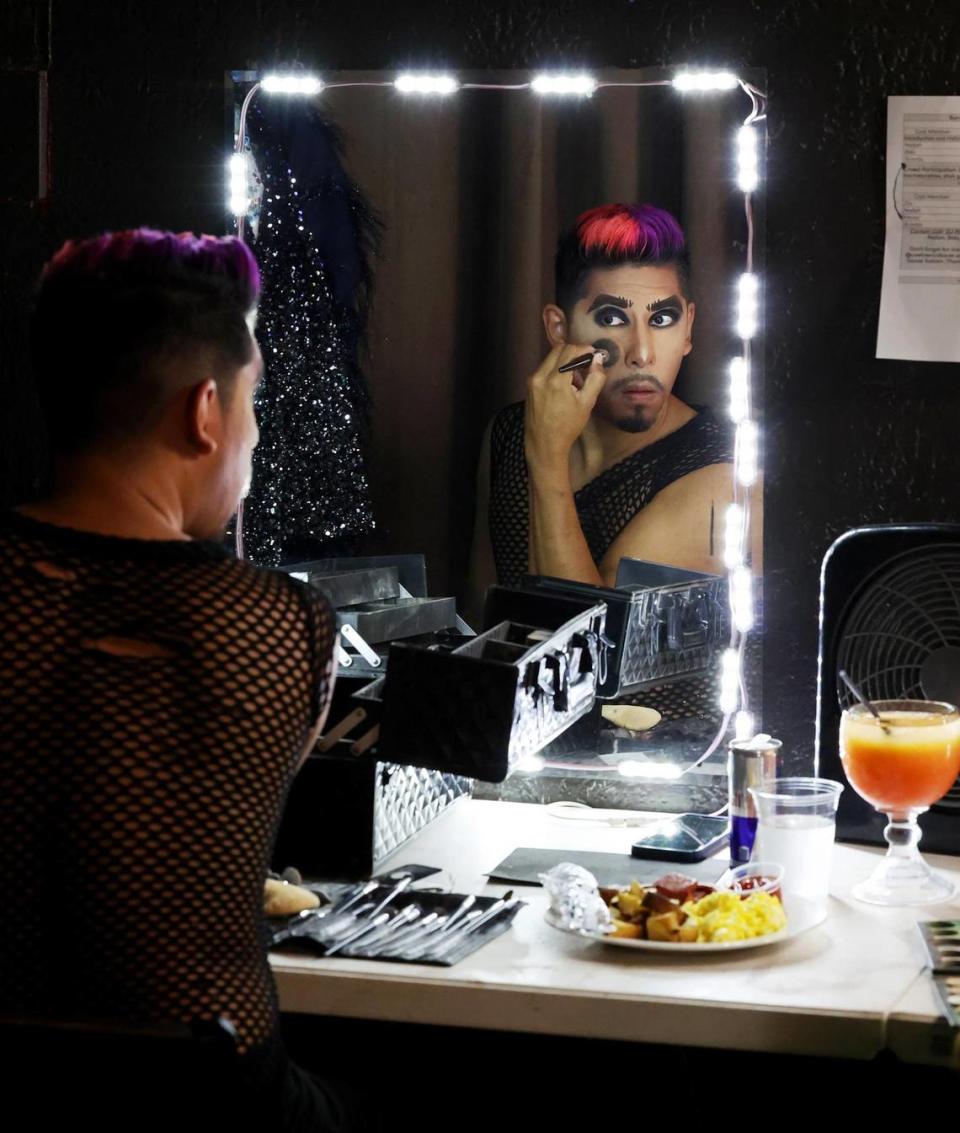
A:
(680, 915)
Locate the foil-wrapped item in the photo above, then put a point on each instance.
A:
(575, 900)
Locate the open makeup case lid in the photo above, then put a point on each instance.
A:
(378, 600)
(661, 622)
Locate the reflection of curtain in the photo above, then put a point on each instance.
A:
(310, 496)
(474, 192)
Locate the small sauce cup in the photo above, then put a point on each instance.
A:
(754, 877)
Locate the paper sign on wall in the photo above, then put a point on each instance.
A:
(920, 300)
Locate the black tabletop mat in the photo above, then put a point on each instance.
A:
(526, 863)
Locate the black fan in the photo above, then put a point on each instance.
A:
(889, 616)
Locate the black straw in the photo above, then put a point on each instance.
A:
(863, 700)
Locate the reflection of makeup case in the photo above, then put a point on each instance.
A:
(654, 632)
(479, 708)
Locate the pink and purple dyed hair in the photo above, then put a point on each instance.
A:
(615, 234)
(111, 312)
(140, 254)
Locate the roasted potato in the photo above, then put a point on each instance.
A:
(664, 926)
(626, 929)
(630, 905)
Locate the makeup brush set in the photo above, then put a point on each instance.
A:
(941, 939)
(387, 919)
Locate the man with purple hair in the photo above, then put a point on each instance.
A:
(603, 460)
(158, 694)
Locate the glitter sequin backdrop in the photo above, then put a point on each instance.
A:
(316, 238)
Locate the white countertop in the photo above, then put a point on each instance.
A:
(847, 988)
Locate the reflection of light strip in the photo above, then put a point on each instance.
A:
(748, 173)
(741, 599)
(733, 537)
(729, 681)
(237, 169)
(746, 456)
(529, 764)
(426, 84)
(745, 726)
(739, 389)
(747, 292)
(636, 769)
(704, 80)
(564, 84)
(292, 84)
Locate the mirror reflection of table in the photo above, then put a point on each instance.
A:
(850, 988)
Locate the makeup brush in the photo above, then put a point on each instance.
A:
(581, 360)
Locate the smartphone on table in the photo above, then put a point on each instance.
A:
(684, 838)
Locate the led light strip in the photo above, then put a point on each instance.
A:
(239, 182)
(746, 468)
(733, 700)
(581, 85)
(292, 84)
(426, 84)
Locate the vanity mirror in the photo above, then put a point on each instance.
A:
(474, 177)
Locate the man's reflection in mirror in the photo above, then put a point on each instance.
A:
(603, 460)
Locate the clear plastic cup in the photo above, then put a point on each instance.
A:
(796, 827)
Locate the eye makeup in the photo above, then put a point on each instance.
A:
(671, 306)
(604, 300)
(672, 302)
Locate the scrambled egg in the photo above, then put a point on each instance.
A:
(725, 916)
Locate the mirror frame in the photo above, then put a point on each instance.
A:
(748, 151)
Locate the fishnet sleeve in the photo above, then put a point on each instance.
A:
(322, 632)
(156, 701)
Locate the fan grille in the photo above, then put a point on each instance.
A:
(901, 638)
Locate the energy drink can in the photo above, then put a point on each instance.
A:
(752, 763)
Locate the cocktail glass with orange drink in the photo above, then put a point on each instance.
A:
(902, 763)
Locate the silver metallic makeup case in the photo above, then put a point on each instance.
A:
(346, 814)
(655, 630)
(446, 714)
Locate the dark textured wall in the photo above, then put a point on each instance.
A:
(137, 136)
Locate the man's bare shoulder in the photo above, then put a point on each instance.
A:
(711, 479)
(681, 525)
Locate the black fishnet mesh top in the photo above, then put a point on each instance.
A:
(140, 795)
(607, 503)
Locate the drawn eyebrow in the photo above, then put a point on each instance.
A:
(610, 301)
(670, 301)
